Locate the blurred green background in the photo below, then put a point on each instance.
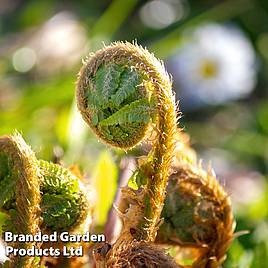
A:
(217, 53)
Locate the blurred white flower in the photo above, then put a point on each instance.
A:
(216, 65)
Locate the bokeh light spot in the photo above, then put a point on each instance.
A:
(159, 14)
(24, 59)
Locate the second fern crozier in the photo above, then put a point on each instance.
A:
(31, 190)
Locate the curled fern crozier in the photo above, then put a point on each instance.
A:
(123, 89)
(20, 191)
(31, 190)
(197, 214)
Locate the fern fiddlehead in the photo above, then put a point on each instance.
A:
(135, 254)
(122, 91)
(19, 180)
(30, 188)
(197, 213)
(65, 204)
